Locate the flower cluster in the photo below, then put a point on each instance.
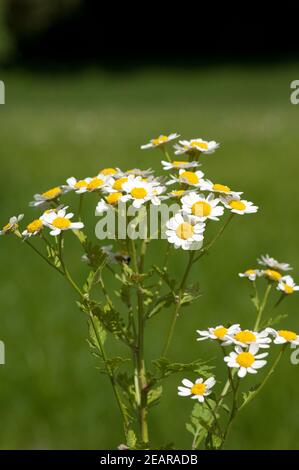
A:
(274, 272)
(245, 356)
(200, 200)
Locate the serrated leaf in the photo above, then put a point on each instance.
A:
(190, 429)
(97, 333)
(273, 321)
(116, 362)
(131, 439)
(163, 302)
(166, 367)
(154, 395)
(190, 295)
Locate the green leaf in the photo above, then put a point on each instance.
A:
(255, 301)
(273, 321)
(53, 256)
(116, 362)
(94, 255)
(166, 367)
(190, 429)
(190, 295)
(131, 439)
(163, 274)
(111, 320)
(96, 332)
(213, 442)
(154, 395)
(248, 395)
(163, 302)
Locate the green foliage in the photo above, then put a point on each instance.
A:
(166, 368)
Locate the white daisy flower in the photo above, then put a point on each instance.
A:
(202, 207)
(287, 285)
(33, 228)
(104, 205)
(246, 361)
(47, 196)
(184, 232)
(140, 192)
(116, 185)
(284, 336)
(220, 189)
(12, 225)
(193, 178)
(161, 140)
(266, 260)
(220, 332)
(174, 165)
(198, 390)
(239, 206)
(59, 221)
(195, 146)
(251, 274)
(247, 337)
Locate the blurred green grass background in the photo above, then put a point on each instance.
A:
(56, 126)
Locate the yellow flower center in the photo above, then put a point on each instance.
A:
(118, 183)
(198, 389)
(245, 336)
(160, 140)
(108, 171)
(95, 183)
(81, 184)
(288, 289)
(34, 226)
(178, 192)
(177, 163)
(52, 193)
(287, 335)
(250, 271)
(272, 274)
(113, 198)
(190, 177)
(221, 187)
(201, 209)
(61, 222)
(138, 193)
(184, 231)
(245, 359)
(220, 332)
(237, 205)
(7, 227)
(198, 143)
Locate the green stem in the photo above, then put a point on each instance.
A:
(164, 150)
(262, 307)
(111, 376)
(42, 256)
(253, 394)
(178, 305)
(141, 381)
(206, 248)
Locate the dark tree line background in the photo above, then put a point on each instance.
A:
(78, 31)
